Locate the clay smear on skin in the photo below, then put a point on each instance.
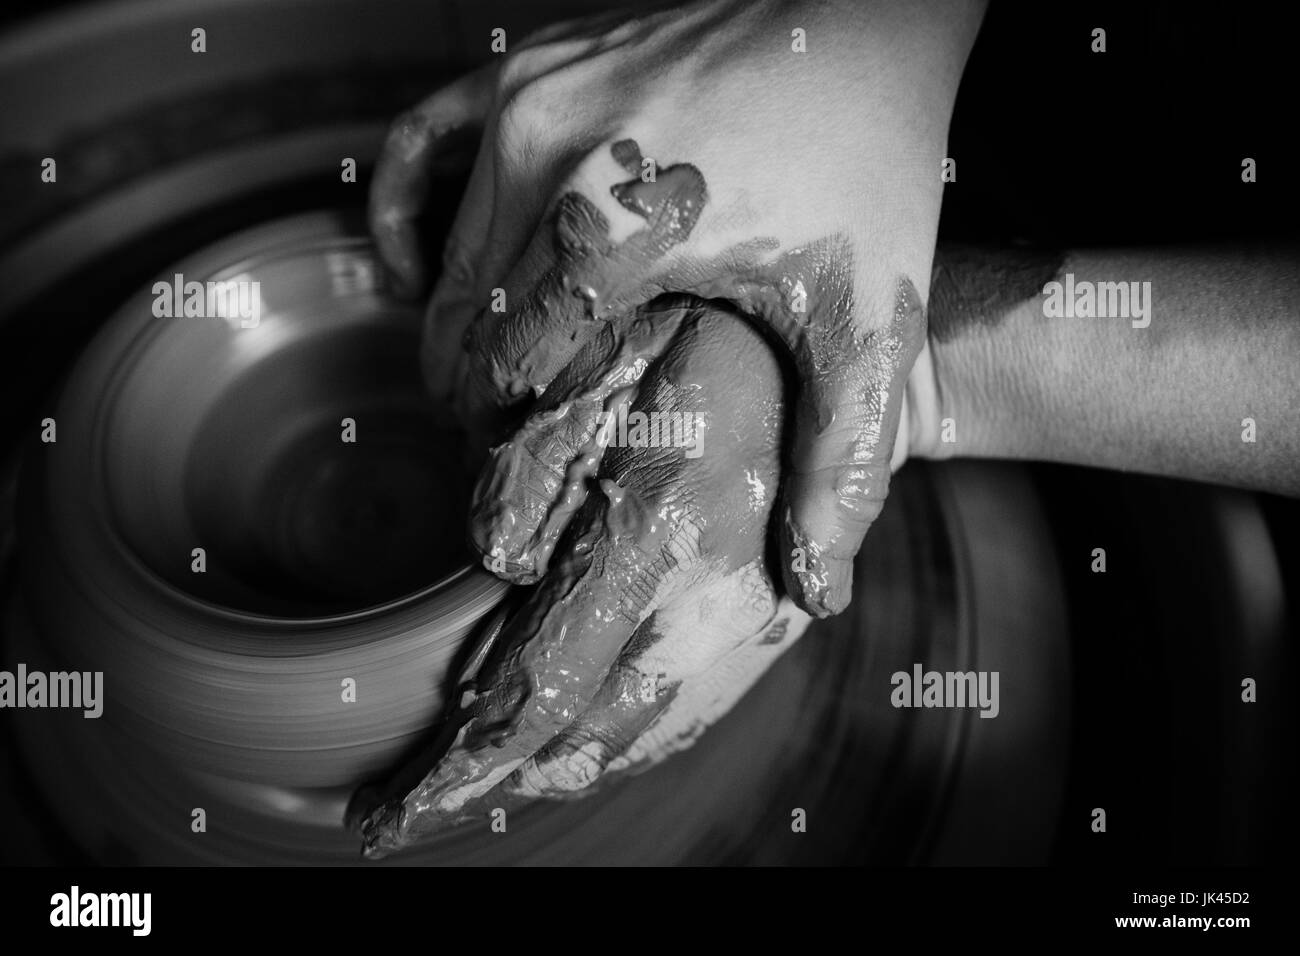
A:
(595, 278)
(804, 296)
(659, 515)
(535, 482)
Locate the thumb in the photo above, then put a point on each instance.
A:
(845, 429)
(403, 172)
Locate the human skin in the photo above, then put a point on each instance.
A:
(759, 195)
(819, 228)
(1223, 345)
(658, 610)
(871, 387)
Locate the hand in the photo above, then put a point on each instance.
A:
(658, 612)
(695, 151)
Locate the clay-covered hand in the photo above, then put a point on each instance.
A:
(656, 611)
(783, 156)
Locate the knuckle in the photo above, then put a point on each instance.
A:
(406, 135)
(858, 507)
(457, 264)
(524, 115)
(854, 485)
(520, 67)
(558, 773)
(595, 742)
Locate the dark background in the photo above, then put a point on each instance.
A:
(1058, 146)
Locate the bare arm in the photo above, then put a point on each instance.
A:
(1222, 347)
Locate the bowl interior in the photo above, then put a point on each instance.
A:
(297, 448)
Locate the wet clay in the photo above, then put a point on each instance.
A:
(852, 377)
(657, 530)
(535, 481)
(515, 353)
(851, 357)
(632, 534)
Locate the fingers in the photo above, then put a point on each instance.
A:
(702, 700)
(675, 529)
(550, 663)
(455, 301)
(628, 702)
(512, 175)
(401, 178)
(499, 209)
(376, 809)
(534, 483)
(846, 424)
(714, 501)
(474, 103)
(684, 668)
(576, 270)
(672, 654)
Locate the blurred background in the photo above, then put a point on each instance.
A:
(1121, 690)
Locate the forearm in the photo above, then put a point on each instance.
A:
(1172, 398)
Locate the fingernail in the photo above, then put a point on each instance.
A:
(833, 588)
(381, 831)
(819, 583)
(483, 646)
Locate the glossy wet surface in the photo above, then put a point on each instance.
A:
(244, 716)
